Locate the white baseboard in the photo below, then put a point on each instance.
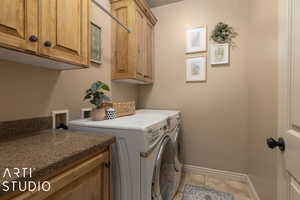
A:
(214, 172)
(225, 174)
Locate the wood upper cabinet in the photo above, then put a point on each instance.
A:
(64, 30)
(120, 41)
(19, 22)
(133, 52)
(57, 31)
(140, 43)
(90, 180)
(149, 51)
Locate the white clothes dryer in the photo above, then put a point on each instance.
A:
(141, 155)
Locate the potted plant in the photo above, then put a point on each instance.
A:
(95, 94)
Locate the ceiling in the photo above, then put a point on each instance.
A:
(156, 3)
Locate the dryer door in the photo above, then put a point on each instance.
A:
(164, 178)
(178, 156)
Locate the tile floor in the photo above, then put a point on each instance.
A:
(239, 190)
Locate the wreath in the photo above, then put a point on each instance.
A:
(223, 33)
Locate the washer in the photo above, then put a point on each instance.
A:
(144, 149)
(170, 159)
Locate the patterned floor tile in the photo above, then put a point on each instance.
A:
(234, 187)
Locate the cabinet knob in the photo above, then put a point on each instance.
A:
(107, 165)
(47, 44)
(33, 38)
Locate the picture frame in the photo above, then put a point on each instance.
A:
(96, 44)
(196, 69)
(219, 54)
(196, 40)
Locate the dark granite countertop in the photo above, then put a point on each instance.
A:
(48, 152)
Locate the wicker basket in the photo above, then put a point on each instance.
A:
(122, 108)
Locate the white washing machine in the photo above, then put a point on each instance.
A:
(166, 180)
(144, 151)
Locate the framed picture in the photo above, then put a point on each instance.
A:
(96, 44)
(196, 69)
(196, 40)
(219, 54)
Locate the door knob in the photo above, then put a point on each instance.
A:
(272, 143)
(33, 38)
(47, 44)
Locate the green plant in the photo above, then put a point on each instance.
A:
(223, 33)
(96, 94)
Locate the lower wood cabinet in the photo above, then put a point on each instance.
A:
(90, 180)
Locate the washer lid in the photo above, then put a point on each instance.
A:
(139, 121)
(172, 116)
(165, 113)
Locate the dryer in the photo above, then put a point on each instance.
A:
(143, 141)
(169, 159)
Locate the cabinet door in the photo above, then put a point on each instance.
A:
(64, 30)
(91, 186)
(120, 39)
(140, 42)
(89, 180)
(148, 72)
(18, 22)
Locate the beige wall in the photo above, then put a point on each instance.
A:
(262, 70)
(28, 91)
(215, 114)
(227, 119)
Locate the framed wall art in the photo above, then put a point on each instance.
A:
(96, 44)
(196, 40)
(219, 54)
(196, 69)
